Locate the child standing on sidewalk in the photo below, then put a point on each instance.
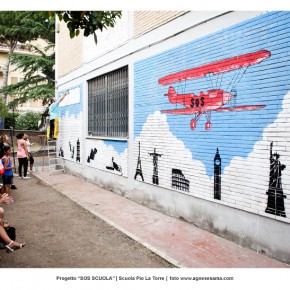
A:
(31, 159)
(4, 140)
(8, 174)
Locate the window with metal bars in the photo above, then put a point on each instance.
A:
(108, 104)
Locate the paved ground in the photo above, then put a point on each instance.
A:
(179, 242)
(61, 234)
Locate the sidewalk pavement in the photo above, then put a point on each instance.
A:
(179, 242)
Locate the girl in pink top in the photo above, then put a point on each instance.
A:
(22, 155)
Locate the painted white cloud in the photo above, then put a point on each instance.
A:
(103, 157)
(244, 181)
(70, 132)
(156, 135)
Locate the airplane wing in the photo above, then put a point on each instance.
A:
(221, 66)
(241, 108)
(182, 111)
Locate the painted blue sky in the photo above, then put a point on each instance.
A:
(234, 133)
(73, 109)
(118, 145)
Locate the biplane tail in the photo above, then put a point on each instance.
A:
(172, 95)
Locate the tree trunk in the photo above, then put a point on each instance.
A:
(6, 72)
(5, 79)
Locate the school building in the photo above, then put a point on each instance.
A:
(187, 113)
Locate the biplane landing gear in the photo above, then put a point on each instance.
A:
(208, 125)
(192, 124)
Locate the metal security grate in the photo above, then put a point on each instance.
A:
(108, 104)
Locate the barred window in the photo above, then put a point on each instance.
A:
(108, 104)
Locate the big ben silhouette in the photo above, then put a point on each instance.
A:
(217, 175)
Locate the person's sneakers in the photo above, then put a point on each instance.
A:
(20, 177)
(25, 177)
(13, 186)
(28, 172)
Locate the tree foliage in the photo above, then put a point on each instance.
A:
(10, 119)
(38, 68)
(38, 77)
(20, 26)
(27, 121)
(87, 21)
(3, 109)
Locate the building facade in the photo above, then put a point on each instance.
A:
(187, 113)
(15, 75)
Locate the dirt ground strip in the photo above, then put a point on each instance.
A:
(60, 234)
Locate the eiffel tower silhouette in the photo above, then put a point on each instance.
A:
(139, 167)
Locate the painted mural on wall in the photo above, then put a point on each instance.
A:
(92, 155)
(155, 156)
(179, 181)
(275, 204)
(114, 166)
(241, 86)
(139, 167)
(215, 99)
(110, 156)
(71, 125)
(217, 175)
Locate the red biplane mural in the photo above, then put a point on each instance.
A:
(214, 99)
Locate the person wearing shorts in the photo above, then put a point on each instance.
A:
(8, 166)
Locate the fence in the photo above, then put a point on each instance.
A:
(36, 137)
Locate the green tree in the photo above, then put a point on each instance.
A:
(3, 110)
(87, 21)
(28, 121)
(39, 74)
(19, 27)
(38, 77)
(10, 119)
(38, 69)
